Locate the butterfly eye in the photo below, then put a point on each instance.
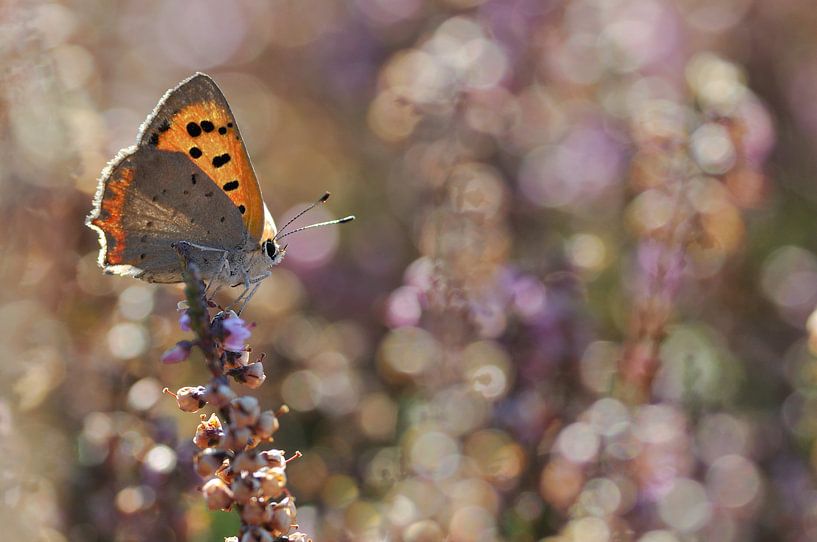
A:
(271, 249)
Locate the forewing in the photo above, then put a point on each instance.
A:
(194, 119)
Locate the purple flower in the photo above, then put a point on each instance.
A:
(184, 321)
(178, 353)
(236, 334)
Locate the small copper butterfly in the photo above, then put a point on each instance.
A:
(188, 180)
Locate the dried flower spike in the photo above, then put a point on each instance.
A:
(236, 476)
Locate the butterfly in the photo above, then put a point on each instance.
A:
(188, 182)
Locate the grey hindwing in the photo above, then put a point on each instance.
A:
(172, 200)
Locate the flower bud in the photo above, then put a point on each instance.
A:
(247, 461)
(257, 534)
(178, 353)
(251, 376)
(245, 488)
(208, 433)
(190, 398)
(244, 411)
(218, 394)
(239, 438)
(267, 425)
(236, 333)
(273, 481)
(279, 517)
(209, 461)
(217, 495)
(252, 513)
(185, 321)
(274, 458)
(236, 360)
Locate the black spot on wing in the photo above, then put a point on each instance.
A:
(232, 185)
(219, 161)
(193, 178)
(242, 209)
(222, 130)
(195, 152)
(154, 139)
(207, 126)
(193, 129)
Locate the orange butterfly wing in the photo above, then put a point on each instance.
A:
(195, 119)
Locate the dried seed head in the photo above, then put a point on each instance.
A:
(252, 513)
(190, 398)
(236, 360)
(298, 537)
(257, 534)
(218, 394)
(267, 425)
(247, 461)
(209, 461)
(273, 481)
(244, 411)
(279, 517)
(217, 495)
(238, 439)
(208, 433)
(251, 376)
(245, 488)
(274, 458)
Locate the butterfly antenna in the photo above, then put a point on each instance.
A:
(320, 224)
(302, 213)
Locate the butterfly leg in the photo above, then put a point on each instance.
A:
(239, 299)
(256, 281)
(223, 269)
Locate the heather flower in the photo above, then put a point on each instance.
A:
(217, 494)
(244, 411)
(190, 398)
(219, 394)
(209, 432)
(273, 481)
(236, 334)
(184, 321)
(245, 488)
(178, 353)
(266, 425)
(209, 461)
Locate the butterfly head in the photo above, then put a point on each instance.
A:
(273, 252)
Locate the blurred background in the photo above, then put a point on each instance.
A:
(574, 306)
